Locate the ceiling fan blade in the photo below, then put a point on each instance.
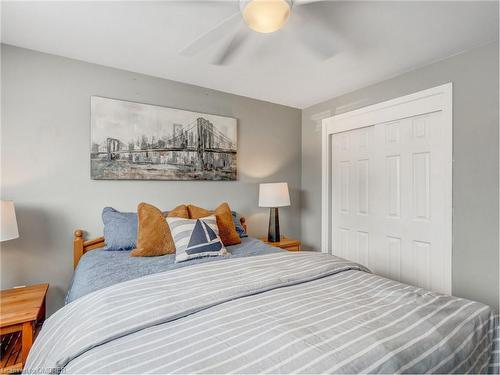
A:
(230, 52)
(314, 32)
(218, 32)
(306, 2)
(319, 46)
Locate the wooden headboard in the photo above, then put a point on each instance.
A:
(82, 246)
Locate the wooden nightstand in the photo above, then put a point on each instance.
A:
(284, 243)
(22, 310)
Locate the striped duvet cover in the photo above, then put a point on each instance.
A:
(275, 313)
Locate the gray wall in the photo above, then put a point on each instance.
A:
(475, 162)
(45, 162)
(45, 159)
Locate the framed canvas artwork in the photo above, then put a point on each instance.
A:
(133, 141)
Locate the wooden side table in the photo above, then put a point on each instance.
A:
(21, 311)
(285, 243)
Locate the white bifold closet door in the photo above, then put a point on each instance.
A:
(389, 200)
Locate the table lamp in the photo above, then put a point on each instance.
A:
(274, 195)
(8, 225)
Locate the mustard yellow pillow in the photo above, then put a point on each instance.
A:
(153, 233)
(227, 230)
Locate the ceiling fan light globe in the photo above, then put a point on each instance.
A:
(266, 16)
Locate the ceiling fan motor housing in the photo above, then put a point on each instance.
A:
(265, 16)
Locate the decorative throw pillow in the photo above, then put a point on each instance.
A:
(227, 230)
(153, 233)
(237, 224)
(196, 238)
(179, 211)
(120, 229)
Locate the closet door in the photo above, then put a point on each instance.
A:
(354, 194)
(389, 199)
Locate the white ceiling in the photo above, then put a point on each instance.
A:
(372, 41)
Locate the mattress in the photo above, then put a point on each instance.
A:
(98, 269)
(280, 312)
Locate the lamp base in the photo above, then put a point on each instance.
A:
(273, 233)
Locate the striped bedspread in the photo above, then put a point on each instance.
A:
(274, 313)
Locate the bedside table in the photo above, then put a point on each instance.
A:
(21, 311)
(285, 243)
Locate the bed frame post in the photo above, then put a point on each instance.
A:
(77, 247)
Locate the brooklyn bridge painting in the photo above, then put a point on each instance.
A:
(133, 141)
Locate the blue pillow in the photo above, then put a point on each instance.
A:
(237, 224)
(120, 229)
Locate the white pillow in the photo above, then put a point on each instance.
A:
(195, 238)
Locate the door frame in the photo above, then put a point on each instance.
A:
(427, 101)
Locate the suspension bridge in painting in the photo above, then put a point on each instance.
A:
(198, 145)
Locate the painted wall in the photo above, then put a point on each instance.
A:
(46, 168)
(45, 164)
(475, 168)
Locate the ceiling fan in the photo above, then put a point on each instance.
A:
(266, 16)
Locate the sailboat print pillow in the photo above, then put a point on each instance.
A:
(195, 238)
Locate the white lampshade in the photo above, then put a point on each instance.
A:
(8, 225)
(274, 195)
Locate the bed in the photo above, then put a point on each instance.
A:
(261, 310)
(100, 268)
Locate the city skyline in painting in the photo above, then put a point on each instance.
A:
(140, 141)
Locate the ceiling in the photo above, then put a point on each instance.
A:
(371, 41)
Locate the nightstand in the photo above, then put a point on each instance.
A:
(22, 311)
(284, 243)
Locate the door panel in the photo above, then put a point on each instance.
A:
(388, 200)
